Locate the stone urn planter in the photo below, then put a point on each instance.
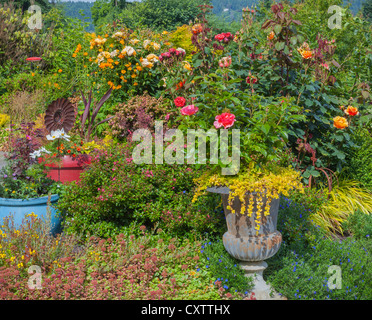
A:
(66, 171)
(19, 208)
(243, 242)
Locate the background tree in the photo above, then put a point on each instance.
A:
(45, 5)
(367, 10)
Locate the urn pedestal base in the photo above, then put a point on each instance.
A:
(261, 289)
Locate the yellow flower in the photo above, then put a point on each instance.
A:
(32, 74)
(340, 123)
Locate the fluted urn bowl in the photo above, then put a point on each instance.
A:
(241, 240)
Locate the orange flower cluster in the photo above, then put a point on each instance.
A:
(271, 35)
(341, 122)
(78, 48)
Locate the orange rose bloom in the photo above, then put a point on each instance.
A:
(197, 28)
(340, 123)
(352, 111)
(306, 54)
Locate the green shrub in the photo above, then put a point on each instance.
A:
(359, 225)
(114, 193)
(181, 38)
(360, 166)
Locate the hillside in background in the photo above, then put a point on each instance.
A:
(79, 10)
(229, 10)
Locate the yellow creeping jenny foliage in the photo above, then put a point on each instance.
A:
(258, 183)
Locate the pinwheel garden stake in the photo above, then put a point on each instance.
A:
(60, 116)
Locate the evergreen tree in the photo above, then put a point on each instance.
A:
(367, 10)
(25, 4)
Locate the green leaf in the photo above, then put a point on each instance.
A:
(277, 29)
(265, 128)
(279, 46)
(293, 40)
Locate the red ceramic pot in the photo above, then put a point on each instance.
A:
(65, 171)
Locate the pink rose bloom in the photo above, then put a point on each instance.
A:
(225, 62)
(225, 119)
(189, 110)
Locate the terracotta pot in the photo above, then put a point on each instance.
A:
(65, 171)
(241, 240)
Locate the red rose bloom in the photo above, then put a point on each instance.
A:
(225, 119)
(220, 37)
(180, 102)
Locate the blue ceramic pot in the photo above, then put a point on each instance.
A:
(19, 208)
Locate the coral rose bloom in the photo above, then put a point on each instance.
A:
(180, 102)
(225, 119)
(340, 123)
(189, 110)
(352, 111)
